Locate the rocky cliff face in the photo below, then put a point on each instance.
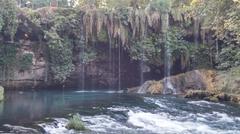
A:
(95, 74)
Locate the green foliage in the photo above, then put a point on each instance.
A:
(40, 3)
(222, 18)
(60, 54)
(88, 55)
(161, 5)
(200, 57)
(7, 55)
(63, 30)
(8, 18)
(25, 61)
(32, 15)
(229, 57)
(147, 50)
(7, 60)
(76, 123)
(11, 60)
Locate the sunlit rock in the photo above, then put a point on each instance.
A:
(193, 80)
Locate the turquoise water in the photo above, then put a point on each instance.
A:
(115, 112)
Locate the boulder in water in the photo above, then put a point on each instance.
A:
(20, 129)
(149, 87)
(212, 96)
(193, 80)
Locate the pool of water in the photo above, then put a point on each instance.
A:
(114, 112)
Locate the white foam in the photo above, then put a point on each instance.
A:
(118, 108)
(219, 117)
(58, 126)
(204, 103)
(103, 123)
(155, 101)
(95, 91)
(164, 123)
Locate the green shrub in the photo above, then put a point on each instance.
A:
(76, 123)
(60, 57)
(229, 57)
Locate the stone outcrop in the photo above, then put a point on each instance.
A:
(193, 80)
(152, 87)
(199, 84)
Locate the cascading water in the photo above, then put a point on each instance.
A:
(119, 67)
(168, 87)
(110, 61)
(141, 67)
(83, 69)
(142, 56)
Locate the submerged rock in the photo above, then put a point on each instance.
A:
(1, 93)
(199, 94)
(20, 129)
(212, 96)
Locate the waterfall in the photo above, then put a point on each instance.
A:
(167, 57)
(119, 67)
(167, 71)
(110, 61)
(141, 67)
(83, 69)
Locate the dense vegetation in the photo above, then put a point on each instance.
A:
(199, 33)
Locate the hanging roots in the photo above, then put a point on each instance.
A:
(138, 22)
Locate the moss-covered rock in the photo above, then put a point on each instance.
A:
(1, 93)
(199, 94)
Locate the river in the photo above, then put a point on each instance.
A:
(112, 112)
